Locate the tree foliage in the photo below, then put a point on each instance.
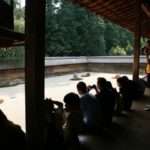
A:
(74, 31)
(71, 30)
(118, 37)
(117, 51)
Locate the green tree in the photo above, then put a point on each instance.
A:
(19, 15)
(118, 36)
(117, 51)
(51, 28)
(73, 31)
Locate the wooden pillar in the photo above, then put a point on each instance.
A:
(137, 35)
(34, 72)
(12, 17)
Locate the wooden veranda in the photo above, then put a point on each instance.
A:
(131, 14)
(126, 13)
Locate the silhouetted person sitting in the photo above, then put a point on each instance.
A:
(53, 123)
(90, 107)
(118, 99)
(132, 86)
(106, 100)
(127, 90)
(11, 135)
(73, 120)
(141, 85)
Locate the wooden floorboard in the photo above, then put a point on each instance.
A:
(130, 131)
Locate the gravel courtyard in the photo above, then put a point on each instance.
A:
(55, 87)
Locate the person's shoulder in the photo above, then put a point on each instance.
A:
(15, 128)
(91, 96)
(84, 96)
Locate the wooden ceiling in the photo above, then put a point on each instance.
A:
(121, 12)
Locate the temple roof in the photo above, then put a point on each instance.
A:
(121, 12)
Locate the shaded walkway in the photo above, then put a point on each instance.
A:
(131, 131)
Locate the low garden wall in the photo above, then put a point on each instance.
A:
(14, 72)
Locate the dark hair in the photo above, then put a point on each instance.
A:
(81, 86)
(72, 100)
(101, 82)
(120, 80)
(109, 85)
(125, 78)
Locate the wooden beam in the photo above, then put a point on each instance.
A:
(6, 33)
(12, 12)
(124, 16)
(137, 35)
(146, 10)
(11, 45)
(34, 73)
(114, 7)
(116, 14)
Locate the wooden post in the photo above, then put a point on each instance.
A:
(34, 72)
(137, 35)
(12, 17)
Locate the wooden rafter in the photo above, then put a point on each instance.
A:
(10, 37)
(120, 12)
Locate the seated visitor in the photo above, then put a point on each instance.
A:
(106, 100)
(118, 99)
(141, 85)
(90, 106)
(73, 120)
(127, 92)
(131, 84)
(53, 123)
(11, 135)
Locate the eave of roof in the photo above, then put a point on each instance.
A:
(10, 38)
(121, 12)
